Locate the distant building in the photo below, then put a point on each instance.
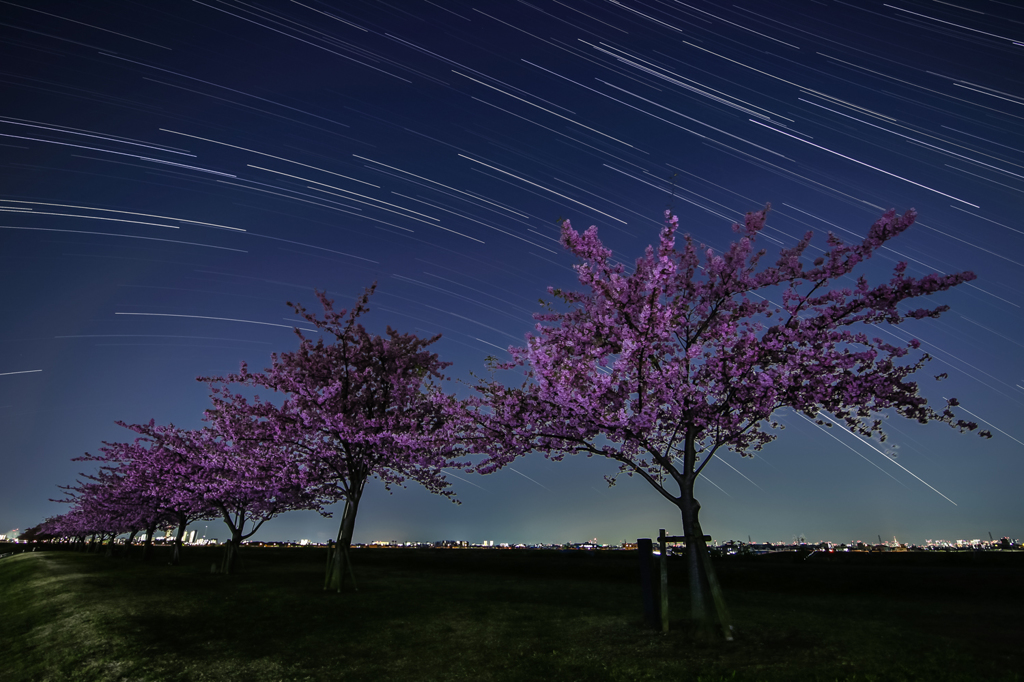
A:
(448, 544)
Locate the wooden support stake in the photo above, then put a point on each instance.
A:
(664, 580)
(330, 564)
(351, 572)
(645, 552)
(716, 590)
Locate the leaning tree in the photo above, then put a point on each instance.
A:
(355, 407)
(660, 368)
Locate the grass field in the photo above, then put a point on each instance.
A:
(498, 615)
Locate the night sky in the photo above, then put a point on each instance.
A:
(173, 173)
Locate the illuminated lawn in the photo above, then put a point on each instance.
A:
(496, 615)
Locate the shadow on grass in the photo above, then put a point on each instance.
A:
(479, 615)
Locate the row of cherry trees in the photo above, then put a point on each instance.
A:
(352, 408)
(658, 368)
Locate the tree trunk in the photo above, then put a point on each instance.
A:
(707, 605)
(700, 604)
(176, 554)
(147, 547)
(228, 563)
(128, 542)
(342, 562)
(722, 616)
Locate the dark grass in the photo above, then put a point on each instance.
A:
(498, 615)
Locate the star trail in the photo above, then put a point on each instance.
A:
(174, 174)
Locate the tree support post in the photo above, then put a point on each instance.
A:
(351, 571)
(700, 540)
(338, 561)
(663, 563)
(330, 564)
(716, 590)
(645, 552)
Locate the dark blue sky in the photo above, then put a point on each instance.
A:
(173, 174)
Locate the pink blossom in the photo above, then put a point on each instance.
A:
(700, 362)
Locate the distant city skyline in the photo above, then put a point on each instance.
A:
(192, 537)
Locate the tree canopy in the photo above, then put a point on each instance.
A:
(356, 406)
(693, 351)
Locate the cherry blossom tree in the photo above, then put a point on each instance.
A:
(67, 526)
(98, 505)
(157, 482)
(661, 368)
(216, 472)
(38, 533)
(356, 407)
